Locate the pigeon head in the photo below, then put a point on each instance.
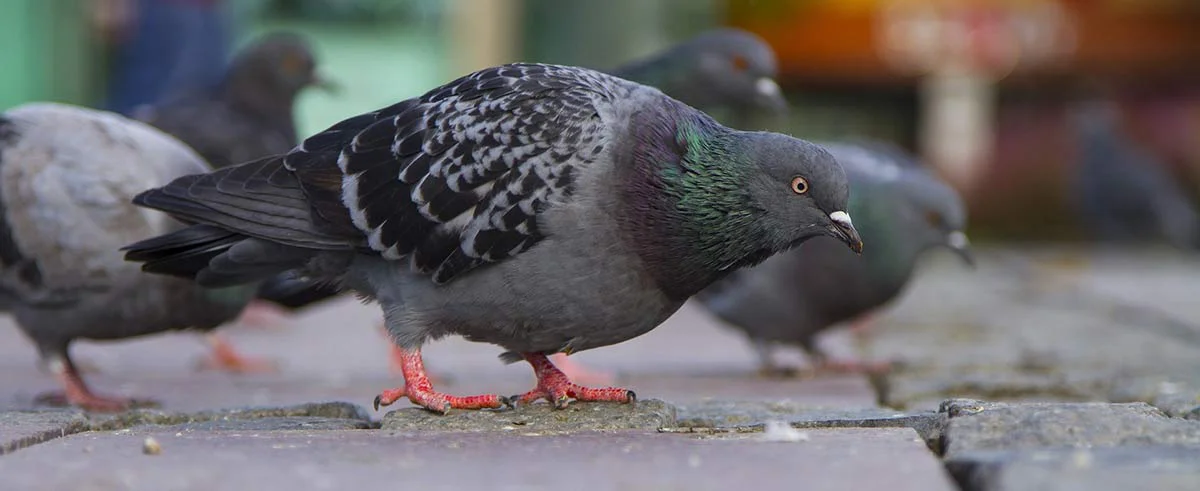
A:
(710, 200)
(723, 68)
(275, 67)
(800, 190)
(936, 215)
(738, 67)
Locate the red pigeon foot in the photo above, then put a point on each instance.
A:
(554, 386)
(76, 393)
(419, 390)
(263, 314)
(224, 357)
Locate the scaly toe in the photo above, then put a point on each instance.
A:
(509, 402)
(562, 401)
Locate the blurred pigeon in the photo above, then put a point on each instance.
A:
(249, 115)
(900, 208)
(1123, 193)
(541, 208)
(723, 68)
(67, 176)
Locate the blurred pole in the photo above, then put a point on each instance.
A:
(957, 124)
(482, 33)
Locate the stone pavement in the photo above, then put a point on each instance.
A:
(1051, 341)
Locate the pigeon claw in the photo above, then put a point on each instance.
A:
(439, 402)
(555, 387)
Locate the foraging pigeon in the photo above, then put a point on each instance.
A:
(249, 115)
(67, 175)
(901, 209)
(723, 68)
(1123, 193)
(541, 208)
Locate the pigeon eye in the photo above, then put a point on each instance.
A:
(799, 185)
(740, 63)
(933, 218)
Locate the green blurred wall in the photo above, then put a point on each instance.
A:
(47, 54)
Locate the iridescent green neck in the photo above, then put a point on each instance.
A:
(693, 217)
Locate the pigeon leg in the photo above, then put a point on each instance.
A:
(419, 390)
(767, 367)
(396, 358)
(823, 364)
(575, 371)
(395, 354)
(225, 357)
(853, 367)
(554, 386)
(861, 327)
(261, 313)
(76, 392)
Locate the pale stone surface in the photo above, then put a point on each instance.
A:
(279, 460)
(976, 425)
(1042, 325)
(20, 429)
(1157, 467)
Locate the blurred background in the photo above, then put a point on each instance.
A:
(980, 88)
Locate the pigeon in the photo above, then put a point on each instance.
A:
(541, 208)
(1123, 193)
(247, 116)
(900, 208)
(67, 178)
(721, 69)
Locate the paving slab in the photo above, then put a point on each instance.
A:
(1094, 446)
(977, 425)
(1157, 467)
(20, 429)
(629, 460)
(1042, 324)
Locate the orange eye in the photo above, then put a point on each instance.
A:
(799, 185)
(293, 64)
(740, 63)
(933, 218)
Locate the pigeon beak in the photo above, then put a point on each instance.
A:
(843, 229)
(770, 95)
(957, 241)
(329, 86)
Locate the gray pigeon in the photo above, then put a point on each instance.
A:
(67, 175)
(541, 208)
(1123, 193)
(901, 209)
(249, 115)
(723, 68)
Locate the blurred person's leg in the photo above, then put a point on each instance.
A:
(204, 49)
(173, 45)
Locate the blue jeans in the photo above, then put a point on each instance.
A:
(174, 45)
